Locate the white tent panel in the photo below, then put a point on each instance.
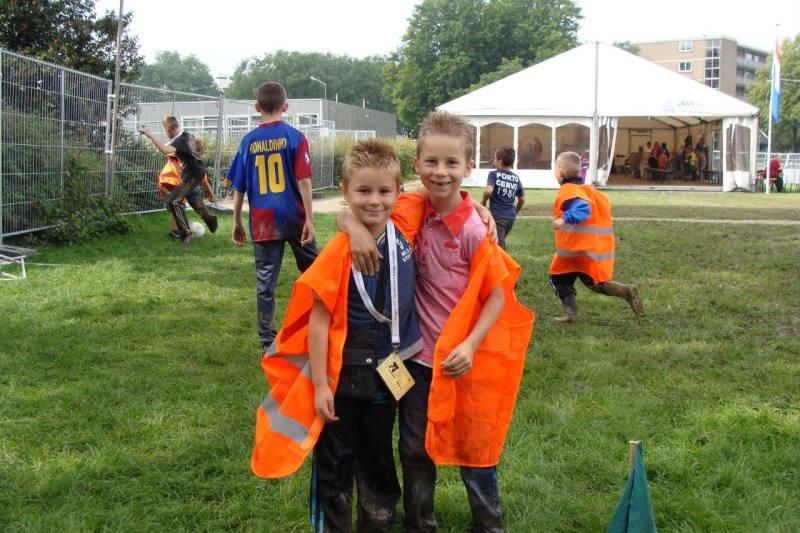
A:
(659, 99)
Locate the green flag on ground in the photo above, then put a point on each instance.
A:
(634, 512)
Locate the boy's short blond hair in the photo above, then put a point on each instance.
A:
(447, 124)
(570, 162)
(170, 123)
(373, 153)
(271, 96)
(198, 145)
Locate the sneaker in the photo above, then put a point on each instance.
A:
(175, 234)
(212, 224)
(187, 239)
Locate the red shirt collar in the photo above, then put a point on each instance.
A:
(268, 124)
(456, 219)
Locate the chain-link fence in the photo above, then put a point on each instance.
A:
(55, 124)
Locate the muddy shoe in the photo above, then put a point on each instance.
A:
(570, 311)
(629, 292)
(634, 300)
(187, 239)
(212, 223)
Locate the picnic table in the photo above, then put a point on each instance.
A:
(659, 175)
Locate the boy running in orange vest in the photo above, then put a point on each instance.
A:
(475, 334)
(584, 241)
(354, 322)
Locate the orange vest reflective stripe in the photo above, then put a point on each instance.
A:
(587, 247)
(469, 417)
(287, 425)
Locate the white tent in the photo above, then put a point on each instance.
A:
(594, 91)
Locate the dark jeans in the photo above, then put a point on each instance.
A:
(268, 257)
(419, 471)
(504, 226)
(356, 447)
(174, 203)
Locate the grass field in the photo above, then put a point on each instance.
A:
(129, 380)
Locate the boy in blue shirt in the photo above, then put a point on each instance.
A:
(273, 167)
(502, 187)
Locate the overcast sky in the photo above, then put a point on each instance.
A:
(221, 34)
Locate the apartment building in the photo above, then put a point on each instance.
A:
(720, 62)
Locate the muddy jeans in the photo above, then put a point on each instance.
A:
(356, 447)
(419, 471)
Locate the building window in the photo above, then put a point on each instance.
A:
(711, 77)
(684, 46)
(685, 66)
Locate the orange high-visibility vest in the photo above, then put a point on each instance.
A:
(469, 417)
(170, 174)
(287, 425)
(587, 247)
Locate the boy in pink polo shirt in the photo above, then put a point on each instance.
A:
(463, 292)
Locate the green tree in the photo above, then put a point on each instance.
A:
(175, 73)
(628, 47)
(785, 132)
(68, 33)
(352, 81)
(450, 44)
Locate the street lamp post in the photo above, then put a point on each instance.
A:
(325, 87)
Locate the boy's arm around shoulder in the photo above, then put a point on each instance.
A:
(407, 216)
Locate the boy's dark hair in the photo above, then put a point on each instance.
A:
(372, 153)
(271, 96)
(506, 154)
(449, 125)
(570, 162)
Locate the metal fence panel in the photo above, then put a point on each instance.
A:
(54, 125)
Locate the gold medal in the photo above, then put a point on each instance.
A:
(395, 374)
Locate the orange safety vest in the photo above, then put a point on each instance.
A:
(170, 174)
(469, 417)
(287, 425)
(587, 247)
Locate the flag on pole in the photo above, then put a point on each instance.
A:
(634, 512)
(776, 83)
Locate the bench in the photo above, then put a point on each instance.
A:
(11, 255)
(659, 175)
(760, 180)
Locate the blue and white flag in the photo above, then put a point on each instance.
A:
(775, 97)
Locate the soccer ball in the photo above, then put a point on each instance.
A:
(197, 229)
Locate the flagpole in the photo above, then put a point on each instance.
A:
(767, 175)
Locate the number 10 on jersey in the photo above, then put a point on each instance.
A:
(270, 173)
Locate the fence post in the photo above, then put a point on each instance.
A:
(1, 151)
(218, 148)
